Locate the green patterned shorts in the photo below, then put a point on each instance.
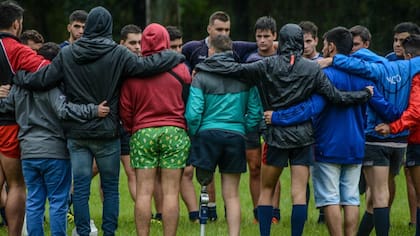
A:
(166, 147)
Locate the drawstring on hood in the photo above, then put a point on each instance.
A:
(155, 38)
(97, 37)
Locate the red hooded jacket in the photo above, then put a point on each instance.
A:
(157, 100)
(411, 116)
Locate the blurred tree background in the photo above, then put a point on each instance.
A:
(50, 17)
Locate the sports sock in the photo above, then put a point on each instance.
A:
(276, 213)
(265, 213)
(298, 218)
(193, 215)
(255, 211)
(418, 222)
(366, 225)
(381, 220)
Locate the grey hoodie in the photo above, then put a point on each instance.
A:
(39, 115)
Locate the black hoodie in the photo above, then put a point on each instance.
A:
(92, 69)
(286, 79)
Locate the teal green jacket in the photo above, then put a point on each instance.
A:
(219, 102)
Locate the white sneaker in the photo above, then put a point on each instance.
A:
(24, 229)
(93, 230)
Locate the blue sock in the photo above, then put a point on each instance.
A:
(158, 216)
(276, 213)
(366, 225)
(193, 215)
(255, 211)
(265, 213)
(418, 222)
(299, 215)
(381, 220)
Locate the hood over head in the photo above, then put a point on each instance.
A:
(97, 37)
(155, 38)
(291, 40)
(98, 24)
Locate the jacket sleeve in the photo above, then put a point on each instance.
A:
(243, 49)
(386, 110)
(327, 89)
(27, 59)
(299, 113)
(126, 108)
(248, 73)
(154, 64)
(45, 78)
(254, 110)
(357, 66)
(195, 108)
(7, 104)
(69, 111)
(411, 116)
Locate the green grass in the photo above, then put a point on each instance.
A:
(126, 225)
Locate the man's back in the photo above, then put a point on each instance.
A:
(330, 134)
(226, 101)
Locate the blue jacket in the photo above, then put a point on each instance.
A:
(329, 133)
(218, 102)
(392, 78)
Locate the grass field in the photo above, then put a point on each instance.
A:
(126, 225)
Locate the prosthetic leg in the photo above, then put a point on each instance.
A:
(204, 177)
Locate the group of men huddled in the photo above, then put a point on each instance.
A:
(67, 114)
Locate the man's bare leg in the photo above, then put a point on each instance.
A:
(351, 220)
(145, 182)
(230, 191)
(170, 181)
(15, 203)
(334, 219)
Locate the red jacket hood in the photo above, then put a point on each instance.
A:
(155, 38)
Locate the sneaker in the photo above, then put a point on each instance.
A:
(212, 213)
(24, 228)
(93, 230)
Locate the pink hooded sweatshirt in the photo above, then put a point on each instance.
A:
(157, 100)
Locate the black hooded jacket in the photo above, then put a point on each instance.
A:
(92, 69)
(286, 79)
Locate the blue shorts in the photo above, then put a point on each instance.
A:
(376, 155)
(253, 140)
(219, 148)
(413, 155)
(336, 184)
(279, 157)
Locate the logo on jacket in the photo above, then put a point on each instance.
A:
(394, 79)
